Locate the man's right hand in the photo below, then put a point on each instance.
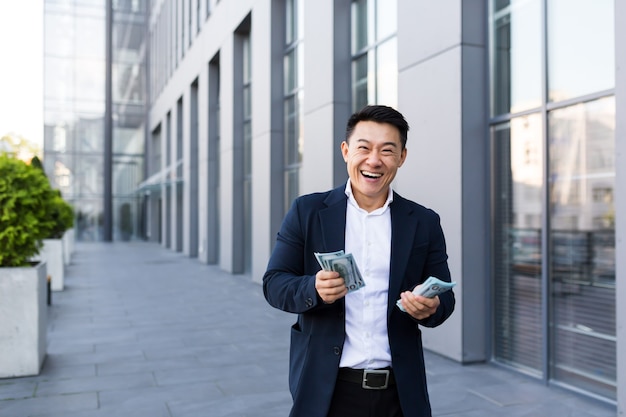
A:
(330, 286)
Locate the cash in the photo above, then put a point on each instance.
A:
(343, 263)
(430, 288)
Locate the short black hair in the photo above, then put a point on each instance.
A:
(379, 114)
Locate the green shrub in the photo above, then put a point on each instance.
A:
(61, 214)
(26, 202)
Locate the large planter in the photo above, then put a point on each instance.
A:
(23, 320)
(52, 253)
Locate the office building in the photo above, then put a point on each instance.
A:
(517, 111)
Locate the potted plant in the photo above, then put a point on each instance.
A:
(25, 199)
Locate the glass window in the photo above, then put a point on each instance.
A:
(293, 86)
(59, 79)
(518, 182)
(387, 73)
(516, 56)
(582, 245)
(59, 35)
(90, 42)
(581, 37)
(362, 25)
(374, 53)
(386, 19)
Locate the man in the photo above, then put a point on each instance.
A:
(357, 353)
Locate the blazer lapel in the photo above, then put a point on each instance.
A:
(333, 220)
(403, 226)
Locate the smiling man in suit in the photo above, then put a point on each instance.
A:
(356, 353)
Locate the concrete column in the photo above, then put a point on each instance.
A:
(203, 163)
(227, 152)
(326, 93)
(266, 131)
(443, 93)
(167, 190)
(186, 167)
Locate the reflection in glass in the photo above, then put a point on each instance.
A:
(292, 102)
(516, 56)
(88, 79)
(59, 29)
(360, 84)
(386, 19)
(580, 61)
(374, 53)
(360, 25)
(387, 73)
(518, 185)
(91, 40)
(59, 81)
(582, 245)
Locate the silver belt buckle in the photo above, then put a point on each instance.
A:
(367, 372)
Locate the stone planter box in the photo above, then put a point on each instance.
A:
(52, 253)
(24, 320)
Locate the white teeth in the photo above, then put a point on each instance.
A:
(372, 174)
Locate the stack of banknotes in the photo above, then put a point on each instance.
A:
(430, 288)
(343, 263)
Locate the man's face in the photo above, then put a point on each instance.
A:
(373, 155)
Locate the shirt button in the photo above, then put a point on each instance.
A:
(309, 302)
(337, 350)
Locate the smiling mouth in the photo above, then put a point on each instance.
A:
(372, 175)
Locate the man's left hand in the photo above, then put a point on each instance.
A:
(417, 306)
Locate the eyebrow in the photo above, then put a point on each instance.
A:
(395, 145)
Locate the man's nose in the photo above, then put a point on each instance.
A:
(374, 158)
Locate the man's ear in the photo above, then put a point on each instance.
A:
(402, 157)
(344, 150)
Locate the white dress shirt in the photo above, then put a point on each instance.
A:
(368, 238)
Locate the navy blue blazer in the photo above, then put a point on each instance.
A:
(316, 223)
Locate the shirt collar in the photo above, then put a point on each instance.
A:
(353, 201)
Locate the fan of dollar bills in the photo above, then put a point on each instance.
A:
(430, 288)
(345, 264)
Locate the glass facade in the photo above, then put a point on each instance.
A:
(553, 138)
(129, 98)
(74, 110)
(293, 62)
(74, 94)
(374, 53)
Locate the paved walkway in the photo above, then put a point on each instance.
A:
(146, 332)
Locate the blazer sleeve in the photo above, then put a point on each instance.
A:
(286, 283)
(437, 265)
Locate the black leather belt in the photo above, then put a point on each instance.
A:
(368, 378)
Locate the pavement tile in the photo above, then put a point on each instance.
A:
(16, 388)
(95, 384)
(60, 404)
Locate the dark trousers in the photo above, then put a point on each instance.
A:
(351, 400)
